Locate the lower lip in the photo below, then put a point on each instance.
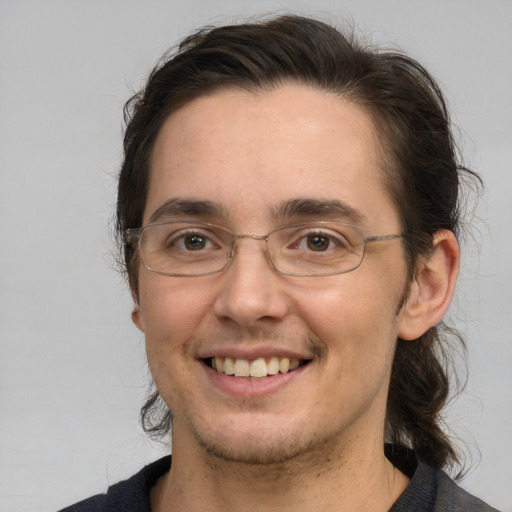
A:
(251, 388)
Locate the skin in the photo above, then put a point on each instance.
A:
(315, 441)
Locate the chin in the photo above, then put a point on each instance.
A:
(254, 455)
(258, 446)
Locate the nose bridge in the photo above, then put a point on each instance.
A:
(236, 243)
(251, 289)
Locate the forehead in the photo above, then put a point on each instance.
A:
(252, 151)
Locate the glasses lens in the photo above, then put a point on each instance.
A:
(194, 249)
(184, 249)
(316, 249)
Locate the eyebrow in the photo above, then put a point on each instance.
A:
(179, 207)
(319, 208)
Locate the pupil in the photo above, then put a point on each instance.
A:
(194, 242)
(318, 243)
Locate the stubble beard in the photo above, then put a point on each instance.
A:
(281, 446)
(274, 452)
(278, 458)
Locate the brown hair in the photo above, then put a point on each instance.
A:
(420, 167)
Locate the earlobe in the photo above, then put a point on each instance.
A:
(432, 288)
(137, 316)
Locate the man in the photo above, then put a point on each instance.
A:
(288, 205)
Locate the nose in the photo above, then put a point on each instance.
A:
(251, 289)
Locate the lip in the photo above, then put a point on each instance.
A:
(251, 354)
(252, 387)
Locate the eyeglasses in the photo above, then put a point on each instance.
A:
(186, 248)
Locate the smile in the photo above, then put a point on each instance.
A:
(260, 367)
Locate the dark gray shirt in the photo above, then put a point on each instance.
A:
(430, 490)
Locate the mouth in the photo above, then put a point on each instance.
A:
(260, 367)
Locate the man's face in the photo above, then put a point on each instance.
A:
(252, 154)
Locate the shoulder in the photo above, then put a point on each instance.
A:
(131, 494)
(430, 489)
(92, 504)
(451, 497)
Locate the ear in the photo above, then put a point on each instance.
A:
(138, 316)
(432, 288)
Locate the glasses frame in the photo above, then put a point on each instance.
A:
(133, 237)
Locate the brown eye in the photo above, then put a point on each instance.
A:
(195, 242)
(192, 241)
(318, 243)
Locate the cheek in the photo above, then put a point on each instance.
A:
(354, 317)
(172, 312)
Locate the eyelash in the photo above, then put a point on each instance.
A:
(178, 239)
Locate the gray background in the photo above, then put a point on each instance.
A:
(72, 369)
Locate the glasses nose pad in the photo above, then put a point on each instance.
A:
(233, 246)
(231, 253)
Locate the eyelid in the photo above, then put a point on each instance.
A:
(211, 233)
(334, 236)
(327, 230)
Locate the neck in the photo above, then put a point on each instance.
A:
(346, 479)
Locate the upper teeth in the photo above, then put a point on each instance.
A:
(259, 367)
